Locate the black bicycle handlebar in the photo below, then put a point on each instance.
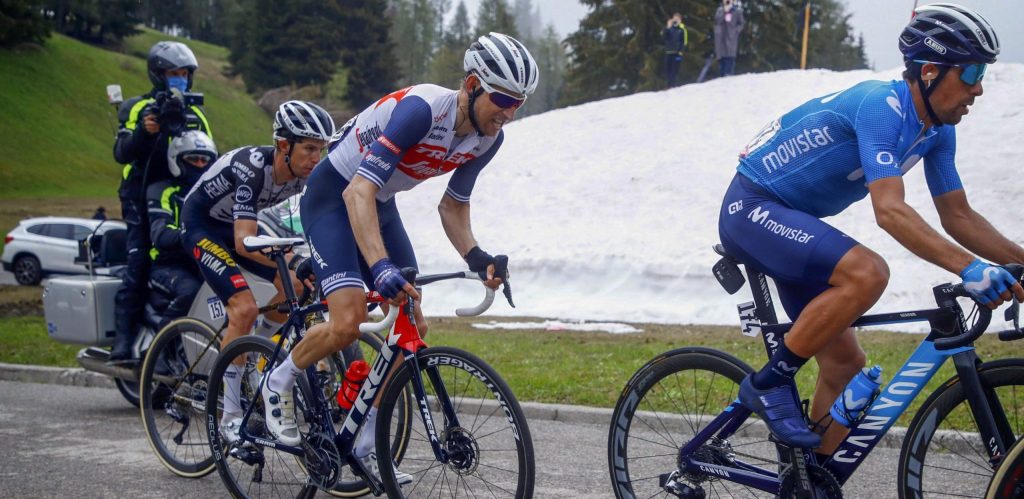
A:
(946, 297)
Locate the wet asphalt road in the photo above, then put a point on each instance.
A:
(64, 441)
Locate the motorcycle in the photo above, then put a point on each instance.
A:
(80, 309)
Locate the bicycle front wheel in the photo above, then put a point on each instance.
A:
(251, 470)
(943, 454)
(173, 385)
(477, 421)
(665, 405)
(1008, 482)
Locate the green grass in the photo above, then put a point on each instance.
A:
(57, 130)
(23, 340)
(587, 369)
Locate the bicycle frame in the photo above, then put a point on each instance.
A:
(759, 317)
(403, 338)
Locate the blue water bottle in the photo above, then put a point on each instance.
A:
(860, 392)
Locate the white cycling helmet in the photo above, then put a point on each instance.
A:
(501, 60)
(183, 150)
(297, 119)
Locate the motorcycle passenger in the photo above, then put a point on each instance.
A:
(147, 123)
(220, 212)
(174, 272)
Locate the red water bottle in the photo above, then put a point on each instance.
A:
(354, 377)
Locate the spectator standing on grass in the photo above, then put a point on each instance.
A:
(728, 25)
(676, 40)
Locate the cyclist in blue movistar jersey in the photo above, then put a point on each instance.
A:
(349, 214)
(826, 154)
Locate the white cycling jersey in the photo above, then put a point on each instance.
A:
(407, 137)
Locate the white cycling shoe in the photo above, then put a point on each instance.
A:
(370, 463)
(279, 410)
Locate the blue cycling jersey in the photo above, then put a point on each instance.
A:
(820, 157)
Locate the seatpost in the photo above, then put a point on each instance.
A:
(286, 281)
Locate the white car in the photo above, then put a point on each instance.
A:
(40, 247)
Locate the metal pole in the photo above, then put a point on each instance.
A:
(807, 27)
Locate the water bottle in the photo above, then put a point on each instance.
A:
(354, 377)
(860, 392)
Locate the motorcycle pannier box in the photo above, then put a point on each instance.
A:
(80, 309)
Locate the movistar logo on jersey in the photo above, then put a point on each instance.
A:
(760, 217)
(795, 146)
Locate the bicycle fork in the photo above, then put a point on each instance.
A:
(444, 402)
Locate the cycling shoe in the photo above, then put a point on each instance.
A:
(280, 414)
(779, 409)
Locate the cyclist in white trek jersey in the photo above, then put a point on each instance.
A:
(349, 214)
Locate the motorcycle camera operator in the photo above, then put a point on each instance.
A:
(148, 124)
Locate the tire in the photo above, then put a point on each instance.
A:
(282, 474)
(1008, 482)
(27, 270)
(491, 452)
(174, 409)
(663, 406)
(129, 390)
(942, 453)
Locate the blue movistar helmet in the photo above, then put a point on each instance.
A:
(948, 33)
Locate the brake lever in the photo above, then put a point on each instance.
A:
(501, 271)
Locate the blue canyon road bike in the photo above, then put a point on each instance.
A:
(678, 429)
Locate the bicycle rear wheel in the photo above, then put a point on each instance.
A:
(490, 449)
(943, 454)
(663, 406)
(252, 470)
(174, 380)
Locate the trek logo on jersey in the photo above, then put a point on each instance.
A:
(423, 161)
(365, 137)
(796, 146)
(761, 218)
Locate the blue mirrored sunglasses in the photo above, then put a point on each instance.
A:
(972, 73)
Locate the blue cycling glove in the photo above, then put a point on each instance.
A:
(985, 282)
(387, 278)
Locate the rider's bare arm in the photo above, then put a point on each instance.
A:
(243, 229)
(905, 225)
(362, 214)
(973, 231)
(455, 220)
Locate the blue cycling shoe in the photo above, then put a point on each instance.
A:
(779, 409)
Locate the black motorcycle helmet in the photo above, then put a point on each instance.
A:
(165, 56)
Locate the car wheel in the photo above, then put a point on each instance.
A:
(27, 270)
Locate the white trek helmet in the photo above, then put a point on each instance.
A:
(501, 60)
